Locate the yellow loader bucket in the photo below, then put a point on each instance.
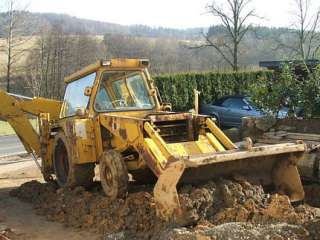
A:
(214, 156)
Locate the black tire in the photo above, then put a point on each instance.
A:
(113, 175)
(67, 173)
(316, 166)
(143, 176)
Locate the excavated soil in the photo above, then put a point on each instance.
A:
(7, 234)
(222, 209)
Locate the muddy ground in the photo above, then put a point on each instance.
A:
(224, 209)
(18, 219)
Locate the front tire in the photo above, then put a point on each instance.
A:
(113, 175)
(69, 174)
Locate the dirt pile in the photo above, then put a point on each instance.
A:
(208, 209)
(229, 201)
(240, 231)
(91, 210)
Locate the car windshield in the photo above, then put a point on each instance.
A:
(120, 91)
(251, 103)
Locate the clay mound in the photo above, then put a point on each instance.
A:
(205, 207)
(91, 210)
(230, 201)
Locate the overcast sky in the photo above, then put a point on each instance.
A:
(166, 13)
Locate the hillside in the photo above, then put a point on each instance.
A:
(74, 25)
(62, 44)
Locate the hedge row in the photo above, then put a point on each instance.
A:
(178, 88)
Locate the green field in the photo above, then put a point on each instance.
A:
(6, 129)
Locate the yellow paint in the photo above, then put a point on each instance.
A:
(85, 141)
(191, 148)
(157, 139)
(227, 143)
(155, 150)
(114, 64)
(36, 106)
(204, 145)
(11, 111)
(215, 143)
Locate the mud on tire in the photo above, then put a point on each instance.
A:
(113, 175)
(67, 173)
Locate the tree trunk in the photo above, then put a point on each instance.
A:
(8, 75)
(9, 45)
(235, 58)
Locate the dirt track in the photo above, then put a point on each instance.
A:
(18, 220)
(211, 211)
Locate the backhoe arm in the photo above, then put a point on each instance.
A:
(14, 110)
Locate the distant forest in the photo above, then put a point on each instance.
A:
(74, 25)
(162, 44)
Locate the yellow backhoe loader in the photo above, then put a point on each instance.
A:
(112, 115)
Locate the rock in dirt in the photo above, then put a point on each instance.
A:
(9, 234)
(239, 231)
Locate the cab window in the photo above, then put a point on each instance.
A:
(74, 98)
(120, 91)
(103, 100)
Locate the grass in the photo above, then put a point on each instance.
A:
(6, 129)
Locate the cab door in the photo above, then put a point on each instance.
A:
(78, 126)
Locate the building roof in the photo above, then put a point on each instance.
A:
(278, 65)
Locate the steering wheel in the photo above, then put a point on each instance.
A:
(119, 102)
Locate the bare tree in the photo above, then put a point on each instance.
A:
(303, 40)
(14, 25)
(55, 55)
(234, 17)
(308, 26)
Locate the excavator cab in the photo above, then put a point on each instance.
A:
(112, 115)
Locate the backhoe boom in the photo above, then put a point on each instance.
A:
(15, 109)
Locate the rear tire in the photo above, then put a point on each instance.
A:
(67, 173)
(113, 175)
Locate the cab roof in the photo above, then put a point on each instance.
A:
(116, 63)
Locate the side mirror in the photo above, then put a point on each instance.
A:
(87, 91)
(80, 112)
(246, 107)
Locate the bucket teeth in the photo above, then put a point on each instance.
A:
(165, 191)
